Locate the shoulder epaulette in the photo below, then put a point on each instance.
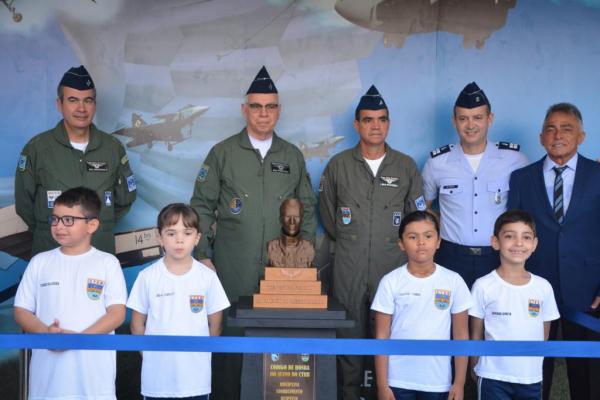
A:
(440, 150)
(509, 146)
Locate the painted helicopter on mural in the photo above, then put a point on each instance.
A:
(320, 149)
(171, 129)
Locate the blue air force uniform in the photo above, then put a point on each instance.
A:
(470, 201)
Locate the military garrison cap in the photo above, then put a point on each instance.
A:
(371, 100)
(472, 96)
(77, 78)
(262, 83)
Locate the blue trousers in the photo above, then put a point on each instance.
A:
(491, 389)
(408, 394)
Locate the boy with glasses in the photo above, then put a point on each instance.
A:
(72, 289)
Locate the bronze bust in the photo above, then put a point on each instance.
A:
(289, 250)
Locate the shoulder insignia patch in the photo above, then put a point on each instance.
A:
(203, 174)
(509, 146)
(124, 159)
(440, 150)
(22, 163)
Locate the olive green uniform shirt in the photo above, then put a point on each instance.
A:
(362, 213)
(242, 193)
(49, 165)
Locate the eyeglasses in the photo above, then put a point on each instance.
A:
(67, 220)
(257, 108)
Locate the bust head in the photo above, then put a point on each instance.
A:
(291, 212)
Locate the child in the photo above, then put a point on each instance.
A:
(73, 288)
(512, 304)
(420, 300)
(177, 295)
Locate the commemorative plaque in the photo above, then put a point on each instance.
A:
(289, 376)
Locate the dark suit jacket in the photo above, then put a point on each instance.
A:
(567, 255)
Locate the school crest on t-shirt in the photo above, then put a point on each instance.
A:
(94, 288)
(534, 307)
(442, 299)
(196, 303)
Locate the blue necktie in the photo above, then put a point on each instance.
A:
(559, 214)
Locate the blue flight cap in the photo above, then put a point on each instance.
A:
(262, 83)
(371, 100)
(77, 78)
(472, 96)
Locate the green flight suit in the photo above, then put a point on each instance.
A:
(361, 213)
(49, 165)
(242, 193)
(246, 191)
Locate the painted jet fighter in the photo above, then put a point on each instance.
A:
(170, 129)
(319, 149)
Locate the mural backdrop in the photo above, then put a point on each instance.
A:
(171, 77)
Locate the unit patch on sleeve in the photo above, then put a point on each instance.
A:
(51, 195)
(131, 186)
(420, 203)
(203, 174)
(22, 163)
(396, 218)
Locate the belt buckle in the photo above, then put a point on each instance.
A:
(475, 251)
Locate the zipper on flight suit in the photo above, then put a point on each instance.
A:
(261, 173)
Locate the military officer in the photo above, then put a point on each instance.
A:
(240, 187)
(471, 181)
(73, 153)
(364, 193)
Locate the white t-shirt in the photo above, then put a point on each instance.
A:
(474, 160)
(421, 309)
(512, 312)
(177, 305)
(75, 290)
(374, 164)
(263, 146)
(79, 146)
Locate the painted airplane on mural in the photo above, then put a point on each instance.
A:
(171, 129)
(400, 19)
(321, 149)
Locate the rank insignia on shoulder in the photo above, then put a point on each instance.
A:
(124, 159)
(22, 163)
(440, 150)
(509, 146)
(203, 174)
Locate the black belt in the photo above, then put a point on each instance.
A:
(467, 250)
